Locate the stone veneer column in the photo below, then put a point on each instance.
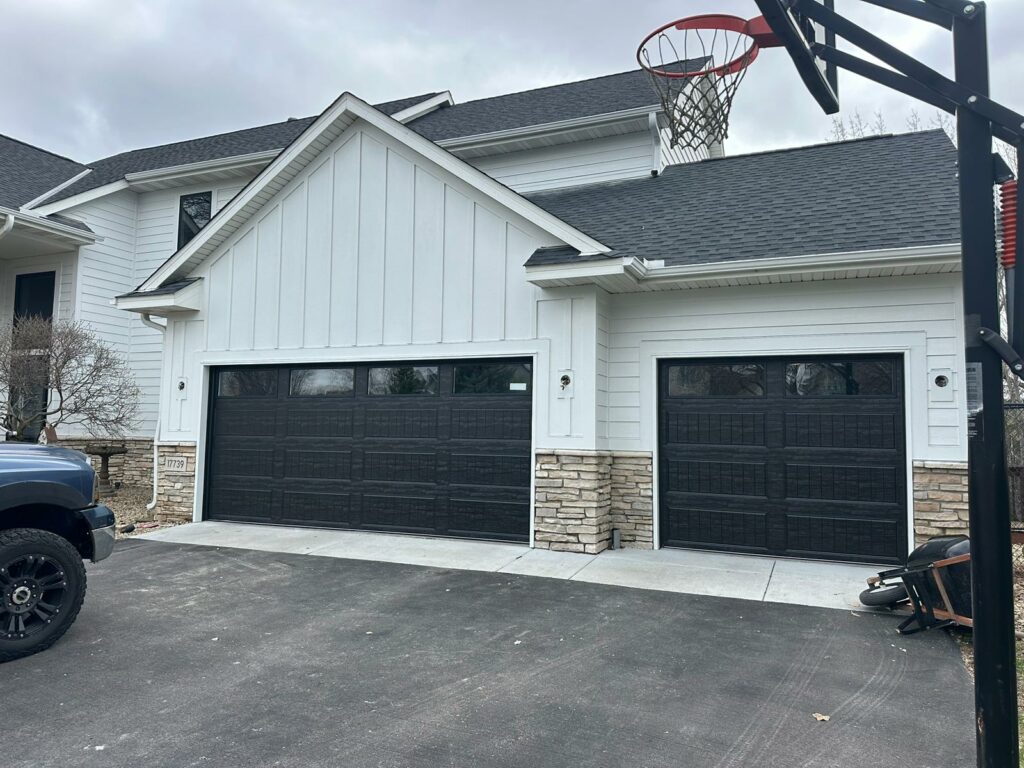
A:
(133, 469)
(176, 488)
(572, 501)
(632, 510)
(940, 499)
(582, 495)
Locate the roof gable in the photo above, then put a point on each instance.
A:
(308, 146)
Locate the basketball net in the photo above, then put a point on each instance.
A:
(696, 65)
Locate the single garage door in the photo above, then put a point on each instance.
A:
(426, 447)
(794, 456)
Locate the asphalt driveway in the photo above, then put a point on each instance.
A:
(191, 656)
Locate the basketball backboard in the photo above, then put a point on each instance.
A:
(798, 33)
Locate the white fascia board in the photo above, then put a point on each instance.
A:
(424, 107)
(32, 220)
(186, 299)
(80, 198)
(642, 271)
(833, 262)
(50, 193)
(356, 108)
(497, 137)
(190, 169)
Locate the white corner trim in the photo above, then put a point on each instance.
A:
(82, 197)
(356, 108)
(409, 114)
(50, 193)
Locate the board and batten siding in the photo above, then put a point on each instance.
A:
(375, 253)
(918, 316)
(626, 156)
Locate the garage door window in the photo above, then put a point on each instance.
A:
(492, 379)
(403, 380)
(321, 382)
(715, 380)
(255, 382)
(841, 378)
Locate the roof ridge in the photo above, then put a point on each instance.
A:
(41, 149)
(556, 85)
(821, 144)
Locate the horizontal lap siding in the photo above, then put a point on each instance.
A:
(582, 162)
(849, 314)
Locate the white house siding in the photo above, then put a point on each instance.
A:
(584, 162)
(63, 264)
(373, 253)
(918, 316)
(156, 238)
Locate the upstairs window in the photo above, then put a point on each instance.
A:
(193, 215)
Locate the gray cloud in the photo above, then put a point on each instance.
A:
(88, 78)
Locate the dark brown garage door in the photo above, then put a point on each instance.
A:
(795, 456)
(425, 447)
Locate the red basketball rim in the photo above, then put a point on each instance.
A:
(720, 21)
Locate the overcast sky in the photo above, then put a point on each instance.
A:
(89, 78)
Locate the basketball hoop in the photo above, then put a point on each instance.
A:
(696, 65)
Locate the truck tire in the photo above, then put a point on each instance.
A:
(42, 586)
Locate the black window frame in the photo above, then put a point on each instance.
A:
(436, 367)
(528, 364)
(349, 393)
(761, 364)
(187, 228)
(23, 280)
(248, 369)
(890, 362)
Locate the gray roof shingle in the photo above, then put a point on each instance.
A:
(26, 172)
(866, 194)
(539, 106)
(260, 139)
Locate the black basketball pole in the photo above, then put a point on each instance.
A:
(991, 562)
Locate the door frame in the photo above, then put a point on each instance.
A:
(535, 350)
(652, 353)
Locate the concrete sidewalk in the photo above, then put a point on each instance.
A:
(772, 580)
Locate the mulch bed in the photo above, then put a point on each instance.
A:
(129, 506)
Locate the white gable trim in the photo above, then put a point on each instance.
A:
(424, 107)
(80, 198)
(51, 192)
(328, 127)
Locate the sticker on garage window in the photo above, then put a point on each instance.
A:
(517, 386)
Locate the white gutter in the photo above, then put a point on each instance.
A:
(8, 225)
(189, 169)
(150, 323)
(463, 142)
(33, 220)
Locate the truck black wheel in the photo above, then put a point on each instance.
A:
(42, 586)
(883, 597)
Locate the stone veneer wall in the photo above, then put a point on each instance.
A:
(133, 469)
(176, 490)
(580, 496)
(940, 499)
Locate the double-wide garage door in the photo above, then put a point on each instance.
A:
(785, 456)
(426, 447)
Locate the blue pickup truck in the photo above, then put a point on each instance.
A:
(49, 523)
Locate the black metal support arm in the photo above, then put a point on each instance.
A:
(962, 96)
(1008, 354)
(918, 10)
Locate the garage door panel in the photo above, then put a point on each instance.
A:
(716, 428)
(333, 446)
(814, 450)
(843, 430)
(718, 527)
(491, 424)
(489, 518)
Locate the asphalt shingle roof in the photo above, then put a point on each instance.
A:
(584, 98)
(260, 139)
(26, 172)
(866, 194)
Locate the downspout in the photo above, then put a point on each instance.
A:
(8, 225)
(148, 321)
